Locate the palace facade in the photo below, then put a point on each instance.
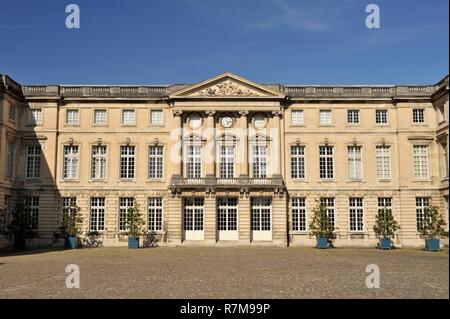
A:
(225, 161)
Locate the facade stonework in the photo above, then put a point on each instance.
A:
(226, 161)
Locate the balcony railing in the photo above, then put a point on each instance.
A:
(240, 183)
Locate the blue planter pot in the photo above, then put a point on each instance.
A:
(133, 242)
(71, 242)
(385, 243)
(432, 245)
(322, 243)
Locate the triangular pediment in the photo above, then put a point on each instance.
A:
(227, 85)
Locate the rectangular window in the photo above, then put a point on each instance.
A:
(299, 214)
(418, 116)
(72, 117)
(297, 117)
(353, 116)
(98, 168)
(100, 117)
(32, 206)
(67, 202)
(128, 117)
(35, 117)
(125, 203)
(227, 209)
(421, 204)
(155, 214)
(12, 112)
(355, 170)
(33, 161)
(326, 162)
(155, 162)
(259, 161)
(383, 154)
(10, 159)
(156, 117)
(325, 117)
(356, 214)
(97, 214)
(127, 161)
(226, 161)
(70, 167)
(381, 116)
(328, 203)
(194, 162)
(420, 159)
(385, 203)
(298, 162)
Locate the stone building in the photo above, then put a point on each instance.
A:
(226, 161)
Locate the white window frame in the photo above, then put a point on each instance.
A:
(421, 203)
(353, 117)
(297, 117)
(127, 167)
(72, 117)
(298, 162)
(103, 117)
(421, 162)
(32, 203)
(259, 160)
(355, 162)
(155, 162)
(10, 147)
(12, 113)
(418, 116)
(383, 162)
(226, 161)
(330, 204)
(125, 203)
(381, 117)
(97, 214)
(33, 164)
(99, 162)
(356, 214)
(325, 117)
(70, 162)
(158, 120)
(385, 203)
(130, 119)
(298, 214)
(194, 160)
(326, 162)
(155, 214)
(35, 117)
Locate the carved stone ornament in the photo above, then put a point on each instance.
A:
(227, 88)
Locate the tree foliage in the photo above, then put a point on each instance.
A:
(433, 223)
(134, 221)
(21, 224)
(321, 225)
(72, 222)
(385, 224)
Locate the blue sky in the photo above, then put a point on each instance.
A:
(185, 41)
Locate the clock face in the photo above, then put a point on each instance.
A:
(227, 121)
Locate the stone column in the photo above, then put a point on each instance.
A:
(276, 166)
(243, 125)
(211, 144)
(179, 119)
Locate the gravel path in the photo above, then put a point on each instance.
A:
(252, 272)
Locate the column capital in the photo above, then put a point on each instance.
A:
(177, 112)
(277, 113)
(243, 113)
(210, 113)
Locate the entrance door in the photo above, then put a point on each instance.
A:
(261, 218)
(193, 218)
(227, 218)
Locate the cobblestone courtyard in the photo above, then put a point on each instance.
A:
(191, 272)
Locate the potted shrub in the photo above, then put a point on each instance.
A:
(432, 227)
(72, 225)
(385, 228)
(134, 224)
(321, 227)
(20, 228)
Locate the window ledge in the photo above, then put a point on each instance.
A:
(298, 232)
(356, 181)
(327, 181)
(385, 180)
(424, 180)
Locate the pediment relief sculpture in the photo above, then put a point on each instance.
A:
(227, 88)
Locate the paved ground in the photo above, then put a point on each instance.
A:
(191, 272)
